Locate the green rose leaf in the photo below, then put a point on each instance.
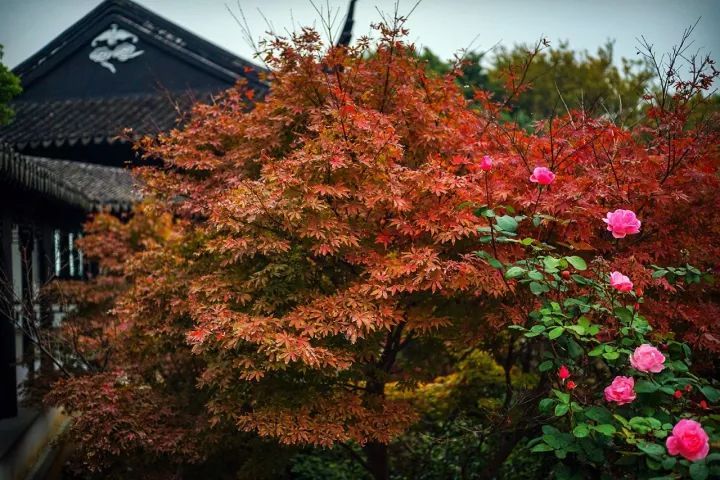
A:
(564, 397)
(653, 422)
(659, 273)
(579, 329)
(581, 431)
(545, 366)
(555, 440)
(574, 349)
(622, 420)
(488, 212)
(514, 272)
(679, 366)
(555, 332)
(711, 393)
(645, 386)
(545, 404)
(599, 414)
(561, 409)
(606, 429)
(542, 447)
(624, 314)
(538, 288)
(535, 275)
(597, 351)
(699, 471)
(611, 355)
(494, 262)
(577, 262)
(652, 449)
(667, 389)
(507, 223)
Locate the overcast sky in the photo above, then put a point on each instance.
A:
(445, 26)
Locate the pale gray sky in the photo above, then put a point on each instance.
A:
(443, 25)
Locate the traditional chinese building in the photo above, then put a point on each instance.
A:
(63, 157)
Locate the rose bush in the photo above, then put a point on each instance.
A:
(640, 407)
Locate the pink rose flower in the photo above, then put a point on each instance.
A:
(622, 222)
(689, 440)
(563, 372)
(621, 390)
(542, 175)
(647, 358)
(486, 163)
(620, 282)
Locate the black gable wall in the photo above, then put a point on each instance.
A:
(153, 69)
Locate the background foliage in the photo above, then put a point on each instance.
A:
(561, 79)
(9, 88)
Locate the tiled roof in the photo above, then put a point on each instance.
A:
(88, 186)
(92, 120)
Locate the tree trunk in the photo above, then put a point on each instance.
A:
(377, 460)
(526, 425)
(376, 452)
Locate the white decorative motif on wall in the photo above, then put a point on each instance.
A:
(120, 46)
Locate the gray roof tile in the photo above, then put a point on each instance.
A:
(88, 186)
(93, 120)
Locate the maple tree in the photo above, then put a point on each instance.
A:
(299, 270)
